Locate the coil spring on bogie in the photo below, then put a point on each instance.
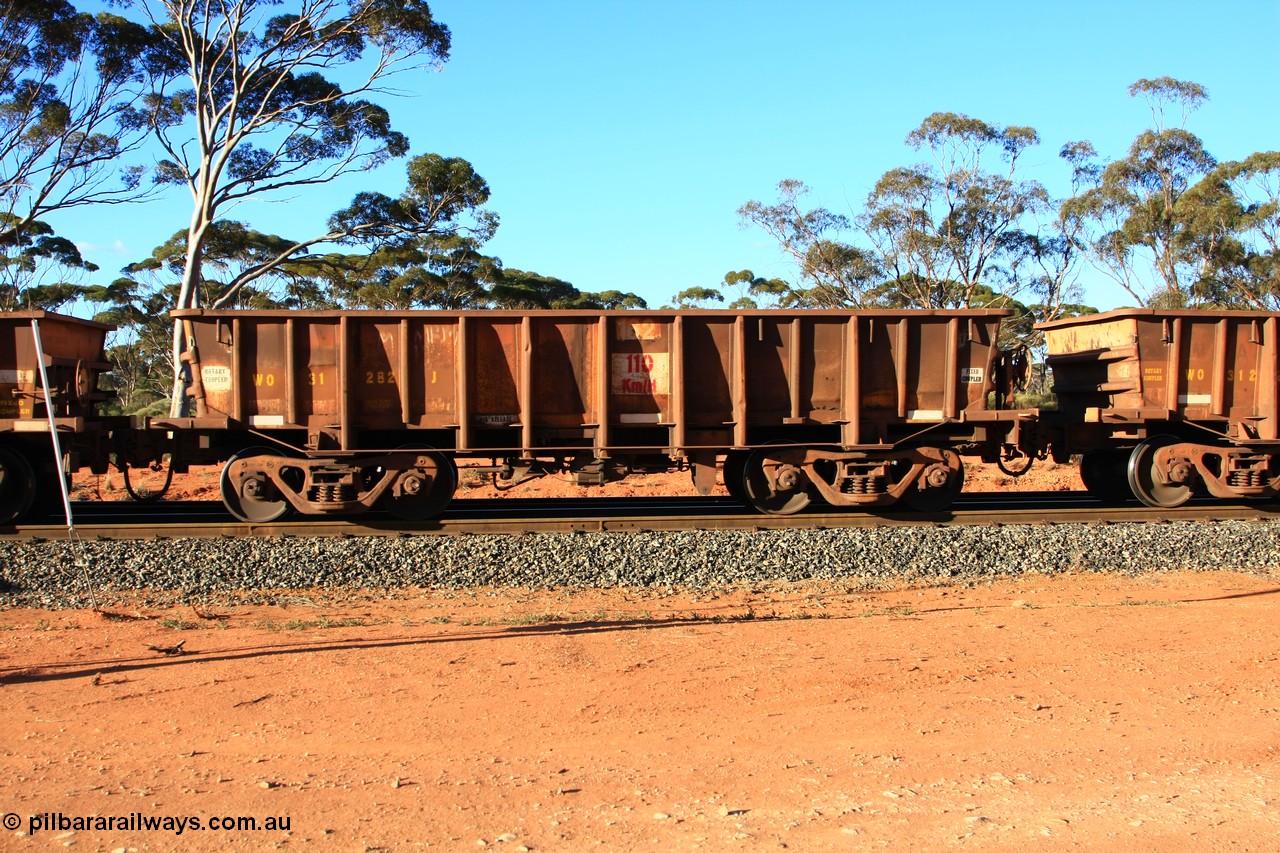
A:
(1247, 478)
(332, 493)
(863, 484)
(1249, 472)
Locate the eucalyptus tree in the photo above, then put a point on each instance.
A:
(68, 81)
(832, 273)
(447, 271)
(1234, 213)
(513, 288)
(267, 101)
(756, 291)
(234, 255)
(951, 225)
(36, 268)
(696, 297)
(617, 300)
(141, 351)
(427, 241)
(1143, 229)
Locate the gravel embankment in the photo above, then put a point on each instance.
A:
(58, 574)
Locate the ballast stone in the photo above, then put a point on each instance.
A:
(60, 574)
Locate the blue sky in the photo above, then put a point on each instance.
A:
(619, 139)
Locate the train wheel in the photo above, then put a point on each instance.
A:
(773, 486)
(938, 486)
(423, 492)
(17, 486)
(1144, 476)
(255, 498)
(735, 473)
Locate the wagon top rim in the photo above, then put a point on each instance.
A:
(52, 315)
(1174, 314)
(654, 313)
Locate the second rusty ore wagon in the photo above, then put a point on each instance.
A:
(350, 410)
(63, 373)
(1168, 403)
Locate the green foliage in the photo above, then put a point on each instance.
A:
(1139, 210)
(1234, 213)
(1044, 402)
(512, 288)
(231, 249)
(756, 291)
(948, 232)
(1170, 224)
(31, 254)
(428, 243)
(696, 297)
(265, 110)
(949, 226)
(67, 81)
(444, 196)
(142, 351)
(617, 300)
(519, 289)
(832, 273)
(252, 103)
(1163, 93)
(442, 272)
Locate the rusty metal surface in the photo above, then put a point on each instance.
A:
(74, 352)
(598, 382)
(1215, 368)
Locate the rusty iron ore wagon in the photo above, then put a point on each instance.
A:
(336, 413)
(1170, 403)
(49, 370)
(353, 410)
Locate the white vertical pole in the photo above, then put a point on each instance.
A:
(53, 426)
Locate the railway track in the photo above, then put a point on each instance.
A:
(205, 520)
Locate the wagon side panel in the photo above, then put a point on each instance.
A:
(74, 355)
(642, 380)
(433, 377)
(712, 382)
(1226, 371)
(564, 370)
(495, 358)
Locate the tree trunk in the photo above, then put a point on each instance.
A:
(188, 297)
(178, 407)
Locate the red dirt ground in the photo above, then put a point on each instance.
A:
(1079, 712)
(1068, 713)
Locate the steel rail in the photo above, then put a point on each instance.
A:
(515, 517)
